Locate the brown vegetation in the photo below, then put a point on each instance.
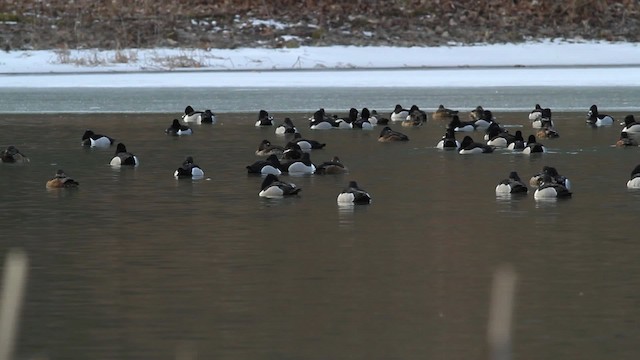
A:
(119, 24)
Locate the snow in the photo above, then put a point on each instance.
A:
(546, 63)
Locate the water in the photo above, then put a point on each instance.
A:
(137, 265)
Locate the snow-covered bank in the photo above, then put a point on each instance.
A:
(533, 64)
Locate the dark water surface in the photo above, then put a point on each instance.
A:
(137, 265)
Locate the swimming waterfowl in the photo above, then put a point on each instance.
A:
(89, 138)
(485, 120)
(476, 113)
(468, 146)
(511, 185)
(12, 155)
(292, 151)
(388, 135)
(461, 126)
(535, 115)
(492, 130)
(286, 127)
(536, 180)
(307, 144)
(550, 189)
(448, 141)
(333, 166)
(300, 166)
(399, 113)
(596, 119)
(377, 119)
(625, 140)
(272, 187)
(188, 170)
(353, 194)
(498, 137)
(416, 117)
(61, 180)
(264, 119)
(518, 142)
(177, 129)
(347, 121)
(543, 120)
(363, 122)
(634, 180)
(271, 165)
(123, 157)
(266, 148)
(443, 114)
(198, 117)
(533, 146)
(630, 124)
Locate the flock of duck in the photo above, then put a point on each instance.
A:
(294, 157)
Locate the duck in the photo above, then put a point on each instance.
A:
(12, 155)
(272, 187)
(460, 126)
(363, 122)
(550, 189)
(264, 119)
(625, 140)
(596, 119)
(61, 180)
(634, 180)
(353, 194)
(177, 129)
(292, 151)
(286, 127)
(377, 119)
(485, 120)
(630, 125)
(476, 113)
(388, 135)
(547, 130)
(518, 142)
(536, 180)
(321, 121)
(306, 144)
(300, 166)
(123, 157)
(498, 137)
(89, 138)
(535, 115)
(333, 166)
(266, 148)
(443, 114)
(544, 120)
(198, 117)
(271, 165)
(468, 146)
(492, 130)
(188, 170)
(347, 121)
(547, 133)
(416, 117)
(511, 185)
(448, 141)
(399, 113)
(533, 146)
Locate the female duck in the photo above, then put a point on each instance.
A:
(533, 146)
(198, 117)
(630, 125)
(634, 180)
(416, 117)
(61, 180)
(271, 165)
(188, 170)
(272, 187)
(399, 113)
(448, 141)
(388, 135)
(89, 138)
(550, 189)
(536, 180)
(123, 157)
(12, 155)
(443, 114)
(266, 148)
(596, 119)
(468, 146)
(177, 129)
(625, 140)
(511, 185)
(264, 119)
(353, 194)
(333, 166)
